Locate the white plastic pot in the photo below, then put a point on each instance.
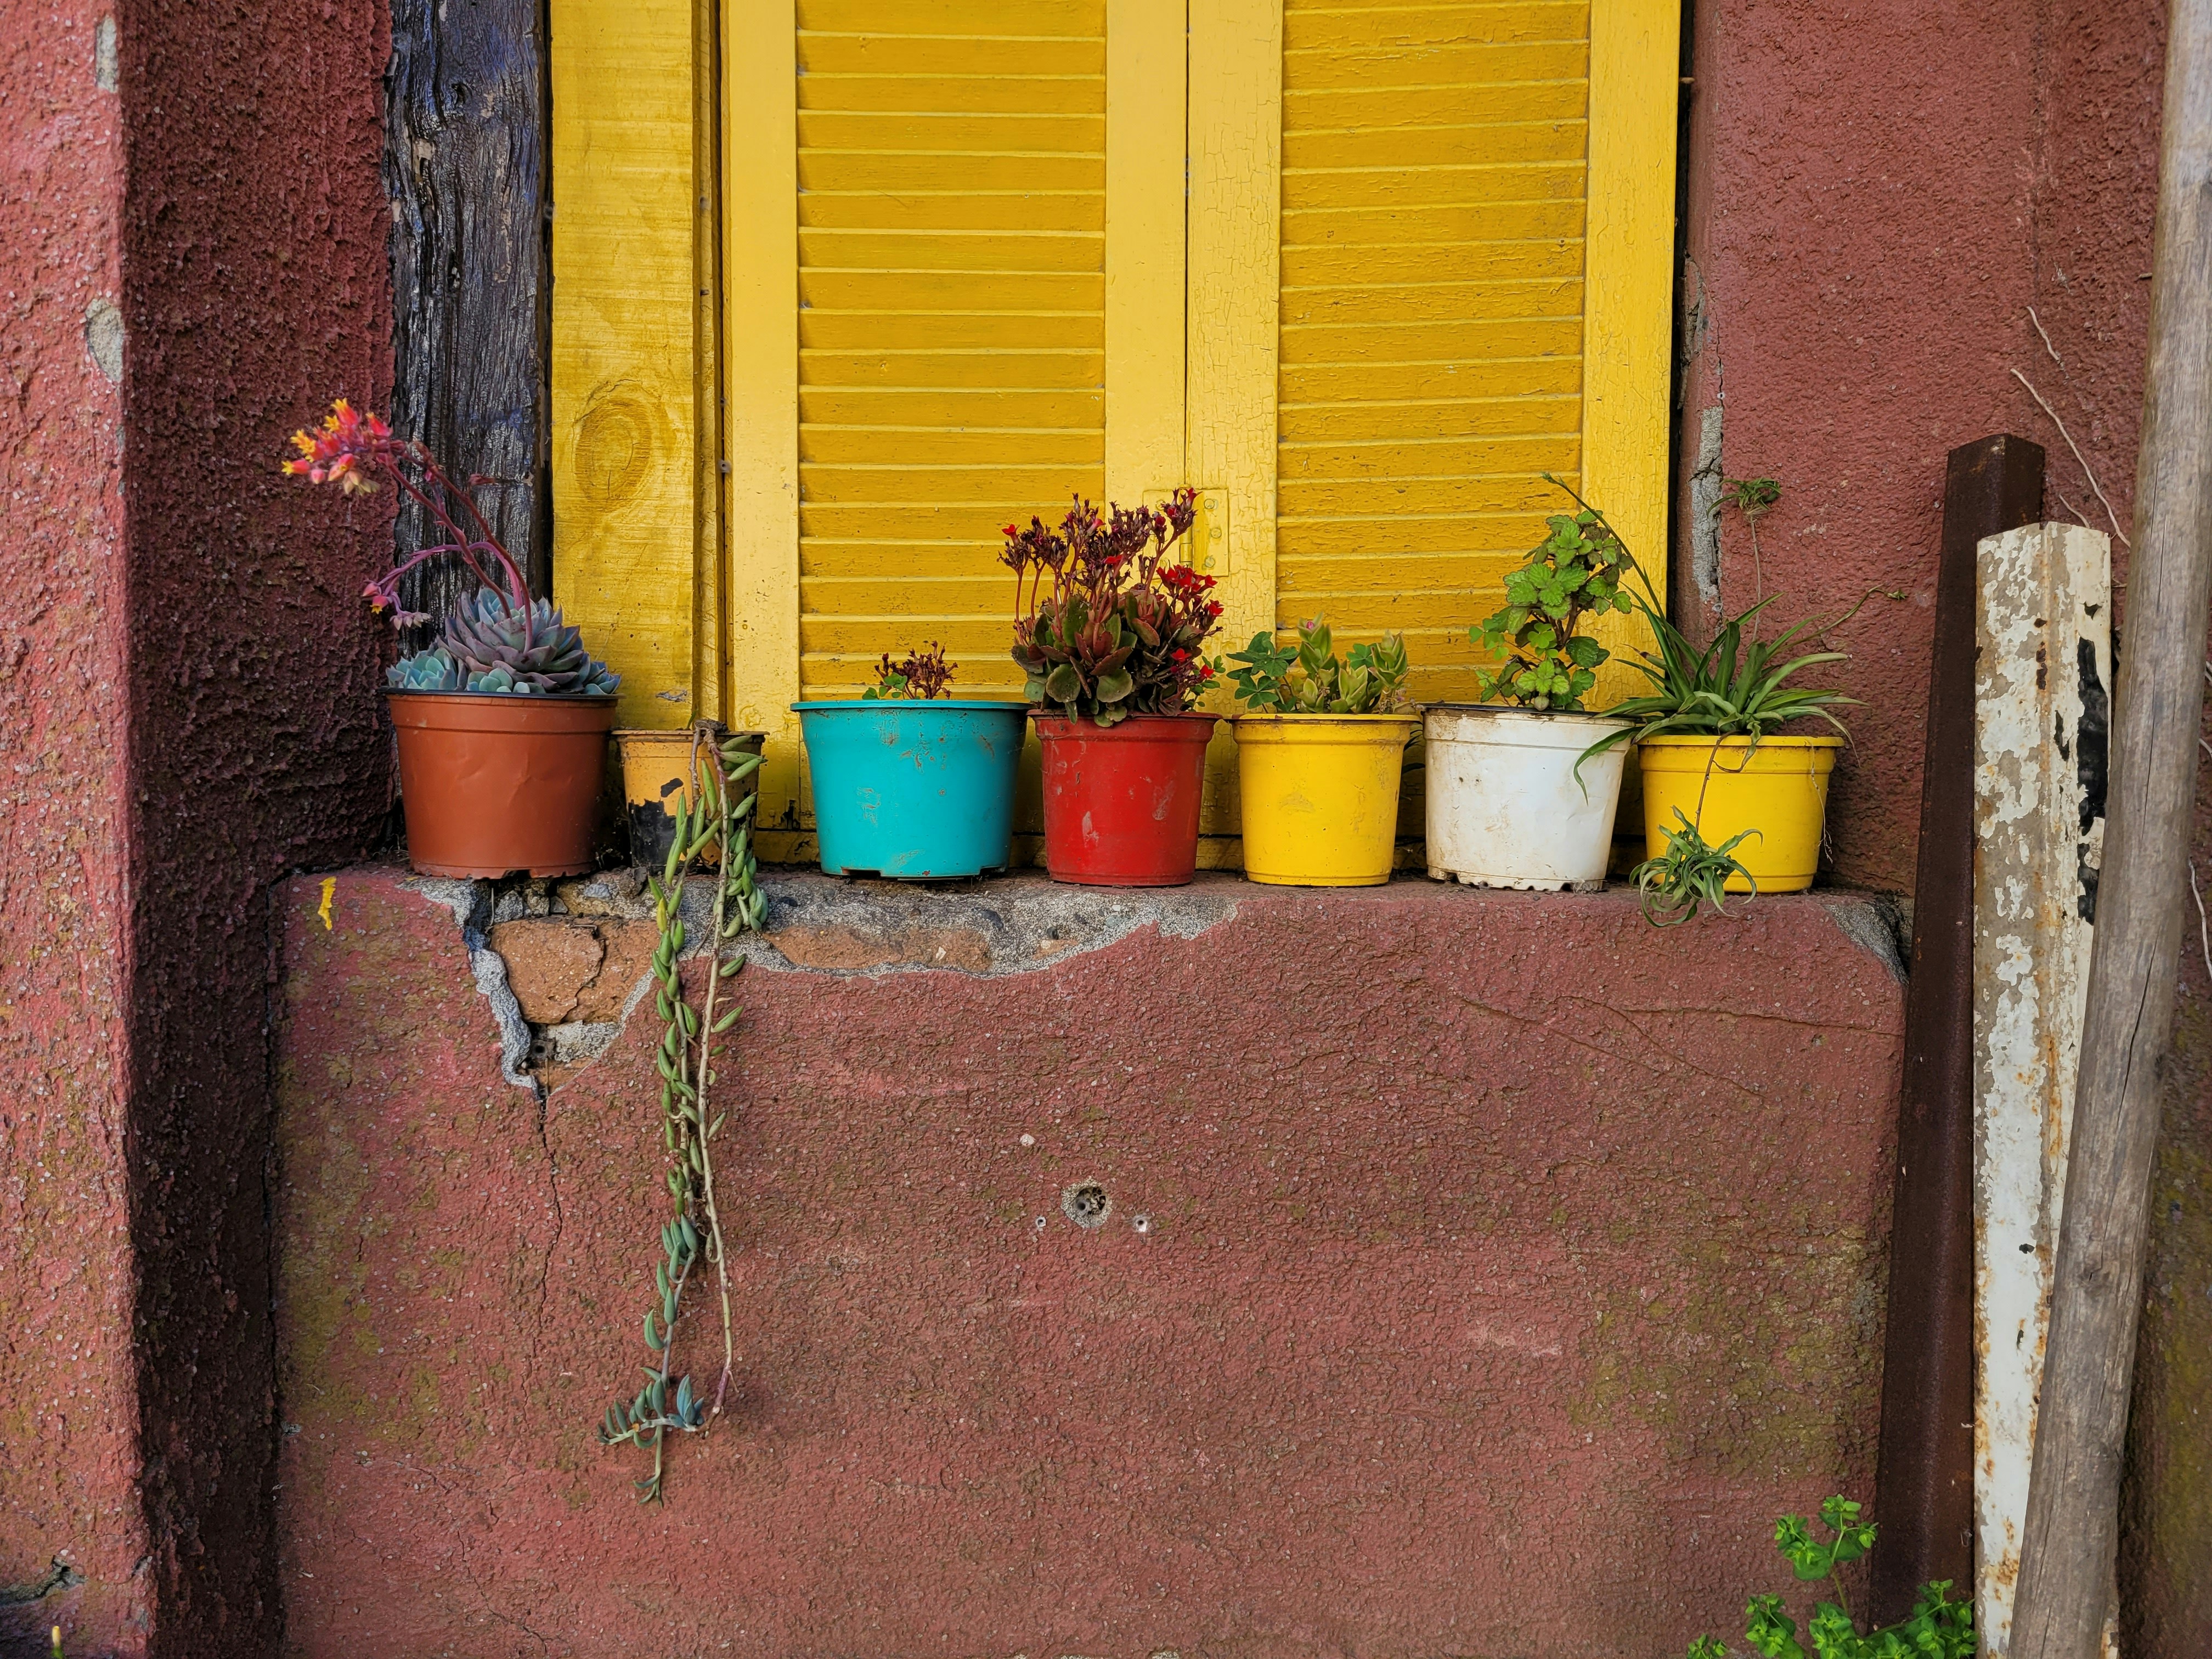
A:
(1505, 806)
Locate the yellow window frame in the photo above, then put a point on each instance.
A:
(676, 329)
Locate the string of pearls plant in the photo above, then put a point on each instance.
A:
(719, 811)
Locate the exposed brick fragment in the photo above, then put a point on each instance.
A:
(550, 960)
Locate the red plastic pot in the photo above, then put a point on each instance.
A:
(1121, 802)
(494, 782)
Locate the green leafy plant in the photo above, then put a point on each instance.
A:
(1106, 629)
(1689, 874)
(691, 1237)
(1307, 678)
(1545, 660)
(1938, 1628)
(922, 675)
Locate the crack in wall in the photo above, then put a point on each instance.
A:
(471, 903)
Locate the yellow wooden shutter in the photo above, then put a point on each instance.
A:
(1383, 266)
(952, 330)
(1436, 187)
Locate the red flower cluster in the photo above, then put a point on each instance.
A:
(350, 445)
(1108, 628)
(339, 450)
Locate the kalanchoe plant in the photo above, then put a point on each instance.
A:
(922, 675)
(1308, 679)
(1108, 629)
(498, 639)
(1545, 660)
(1938, 1627)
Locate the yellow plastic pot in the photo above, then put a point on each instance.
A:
(657, 776)
(1778, 789)
(1320, 796)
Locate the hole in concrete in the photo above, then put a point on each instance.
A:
(1086, 1205)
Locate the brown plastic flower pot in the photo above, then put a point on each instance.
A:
(494, 782)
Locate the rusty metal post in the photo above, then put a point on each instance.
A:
(1925, 1473)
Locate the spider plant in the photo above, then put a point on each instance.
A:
(1737, 686)
(1688, 875)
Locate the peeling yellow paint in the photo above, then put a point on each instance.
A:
(329, 890)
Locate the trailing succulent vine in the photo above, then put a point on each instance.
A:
(719, 810)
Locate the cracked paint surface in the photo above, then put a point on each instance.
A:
(1468, 1315)
(2043, 600)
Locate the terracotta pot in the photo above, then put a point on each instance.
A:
(493, 783)
(1120, 801)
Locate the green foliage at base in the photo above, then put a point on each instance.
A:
(1938, 1627)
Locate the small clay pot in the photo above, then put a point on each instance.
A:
(656, 775)
(495, 782)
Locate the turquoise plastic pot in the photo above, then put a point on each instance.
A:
(915, 791)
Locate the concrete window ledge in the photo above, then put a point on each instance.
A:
(1416, 1269)
(576, 952)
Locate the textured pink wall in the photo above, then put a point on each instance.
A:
(68, 1411)
(193, 259)
(1878, 196)
(255, 287)
(1473, 1318)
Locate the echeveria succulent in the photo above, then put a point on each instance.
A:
(434, 670)
(504, 648)
(499, 640)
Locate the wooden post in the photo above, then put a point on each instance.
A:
(2073, 1499)
(465, 163)
(1924, 1469)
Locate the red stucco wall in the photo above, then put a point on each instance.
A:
(184, 700)
(67, 1419)
(1477, 1315)
(1878, 195)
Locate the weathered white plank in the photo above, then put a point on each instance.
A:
(2043, 633)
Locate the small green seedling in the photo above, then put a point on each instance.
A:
(1938, 1627)
(1545, 661)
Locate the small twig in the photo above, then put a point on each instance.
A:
(2203, 927)
(2078, 517)
(2047, 346)
(2087, 471)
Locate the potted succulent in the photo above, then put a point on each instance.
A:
(503, 721)
(1730, 803)
(1521, 788)
(909, 783)
(1319, 757)
(1111, 636)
